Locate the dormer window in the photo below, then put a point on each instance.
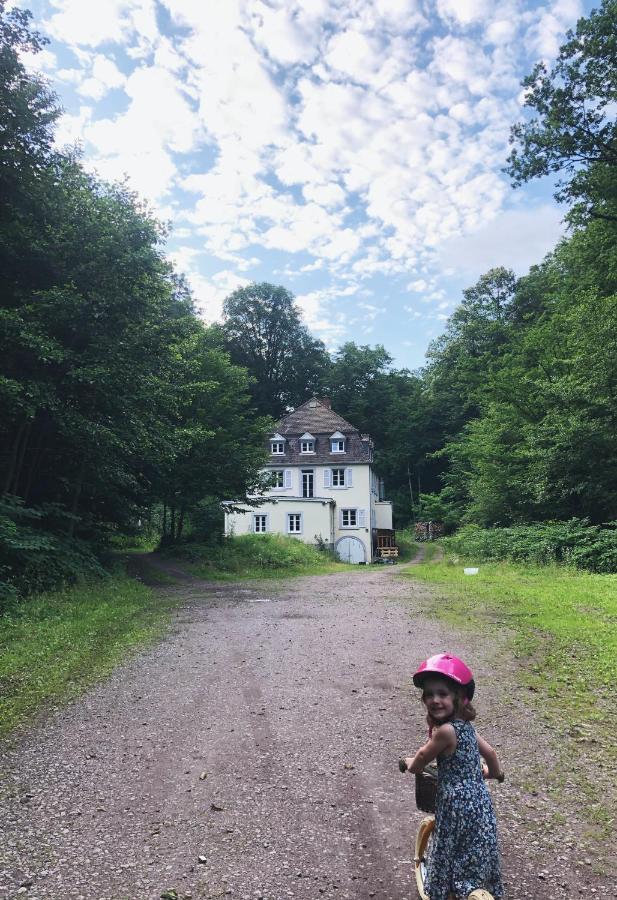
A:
(307, 443)
(277, 445)
(337, 442)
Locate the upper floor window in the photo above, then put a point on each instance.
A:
(278, 447)
(337, 445)
(349, 518)
(338, 478)
(307, 446)
(278, 478)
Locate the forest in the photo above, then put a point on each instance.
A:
(122, 411)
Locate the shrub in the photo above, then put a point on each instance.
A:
(255, 552)
(33, 558)
(576, 543)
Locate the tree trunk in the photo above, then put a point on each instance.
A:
(76, 495)
(14, 451)
(172, 523)
(35, 463)
(180, 522)
(19, 452)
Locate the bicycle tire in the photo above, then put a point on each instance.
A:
(423, 843)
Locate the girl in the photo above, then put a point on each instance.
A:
(464, 857)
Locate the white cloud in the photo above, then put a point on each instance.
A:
(105, 76)
(209, 293)
(464, 12)
(354, 54)
(546, 35)
(336, 142)
(516, 239)
(75, 22)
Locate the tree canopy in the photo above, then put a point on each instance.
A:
(263, 331)
(109, 384)
(573, 132)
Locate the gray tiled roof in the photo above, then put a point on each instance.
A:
(316, 417)
(321, 421)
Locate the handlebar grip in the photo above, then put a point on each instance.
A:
(402, 765)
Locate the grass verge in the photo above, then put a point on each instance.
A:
(55, 644)
(257, 556)
(562, 625)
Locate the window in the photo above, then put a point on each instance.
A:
(349, 518)
(294, 523)
(338, 478)
(307, 446)
(278, 447)
(278, 478)
(259, 524)
(308, 481)
(337, 445)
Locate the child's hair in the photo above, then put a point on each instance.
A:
(463, 709)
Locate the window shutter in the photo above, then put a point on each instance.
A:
(287, 478)
(327, 478)
(361, 517)
(340, 518)
(348, 477)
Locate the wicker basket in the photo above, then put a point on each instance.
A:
(426, 789)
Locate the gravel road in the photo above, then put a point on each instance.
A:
(253, 754)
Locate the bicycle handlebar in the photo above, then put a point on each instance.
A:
(402, 765)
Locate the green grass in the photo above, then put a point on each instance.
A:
(564, 622)
(54, 645)
(257, 556)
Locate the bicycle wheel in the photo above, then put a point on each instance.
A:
(424, 839)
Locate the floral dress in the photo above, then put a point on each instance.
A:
(464, 854)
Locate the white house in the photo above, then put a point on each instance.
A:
(324, 489)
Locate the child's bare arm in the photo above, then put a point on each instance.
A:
(443, 740)
(492, 762)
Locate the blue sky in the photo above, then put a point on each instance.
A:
(350, 150)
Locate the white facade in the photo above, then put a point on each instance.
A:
(322, 493)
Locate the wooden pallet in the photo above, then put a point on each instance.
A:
(388, 552)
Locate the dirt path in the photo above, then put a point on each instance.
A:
(253, 754)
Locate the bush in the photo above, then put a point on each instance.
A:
(33, 558)
(255, 553)
(576, 543)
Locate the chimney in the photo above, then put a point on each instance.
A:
(325, 401)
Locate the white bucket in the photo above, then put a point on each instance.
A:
(471, 571)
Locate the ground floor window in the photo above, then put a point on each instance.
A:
(260, 524)
(349, 518)
(294, 523)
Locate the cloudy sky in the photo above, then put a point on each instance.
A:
(350, 150)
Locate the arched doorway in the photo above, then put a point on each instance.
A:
(350, 550)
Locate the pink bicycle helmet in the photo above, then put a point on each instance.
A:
(449, 667)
